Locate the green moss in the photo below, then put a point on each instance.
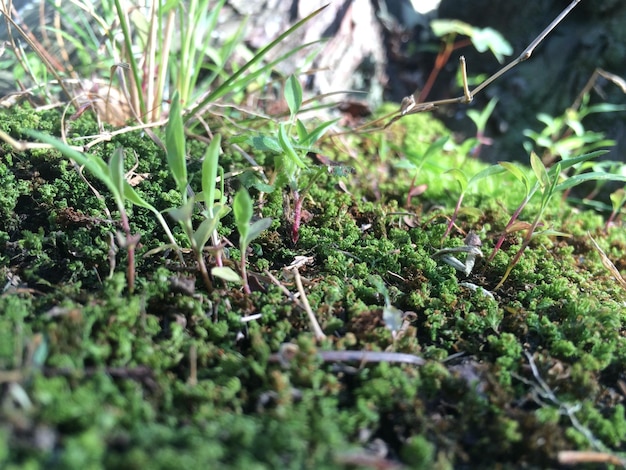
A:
(172, 378)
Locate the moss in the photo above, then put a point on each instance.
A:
(171, 377)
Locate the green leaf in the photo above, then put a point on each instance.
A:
(436, 146)
(480, 118)
(95, 165)
(551, 188)
(183, 213)
(570, 162)
(489, 171)
(540, 170)
(236, 80)
(116, 170)
(204, 231)
(293, 94)
(489, 38)
(591, 176)
(226, 274)
(460, 177)
(517, 172)
(444, 27)
(265, 143)
(209, 172)
(287, 146)
(303, 134)
(242, 210)
(317, 133)
(257, 228)
(175, 146)
(618, 198)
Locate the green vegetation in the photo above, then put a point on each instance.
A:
(273, 312)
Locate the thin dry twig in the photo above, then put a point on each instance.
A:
(315, 326)
(303, 304)
(288, 351)
(545, 396)
(607, 263)
(574, 457)
(411, 105)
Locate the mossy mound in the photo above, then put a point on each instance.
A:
(174, 376)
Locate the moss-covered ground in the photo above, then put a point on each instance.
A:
(174, 376)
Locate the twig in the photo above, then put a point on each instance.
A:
(542, 391)
(315, 326)
(288, 351)
(573, 457)
(411, 104)
(303, 303)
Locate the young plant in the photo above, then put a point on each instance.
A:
(618, 199)
(465, 184)
(112, 175)
(248, 230)
(547, 184)
(480, 119)
(530, 189)
(565, 135)
(289, 162)
(415, 161)
(547, 180)
(176, 159)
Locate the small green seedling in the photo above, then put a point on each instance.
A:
(290, 163)
(531, 189)
(618, 199)
(548, 183)
(415, 161)
(480, 119)
(213, 212)
(465, 184)
(112, 175)
(248, 230)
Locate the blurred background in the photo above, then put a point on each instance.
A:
(388, 49)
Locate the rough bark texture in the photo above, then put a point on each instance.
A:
(350, 55)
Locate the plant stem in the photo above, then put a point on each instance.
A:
(244, 272)
(203, 271)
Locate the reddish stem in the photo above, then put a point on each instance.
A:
(297, 216)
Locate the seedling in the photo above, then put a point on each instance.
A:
(290, 162)
(618, 199)
(464, 183)
(548, 183)
(415, 161)
(213, 212)
(553, 172)
(248, 230)
(112, 175)
(480, 120)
